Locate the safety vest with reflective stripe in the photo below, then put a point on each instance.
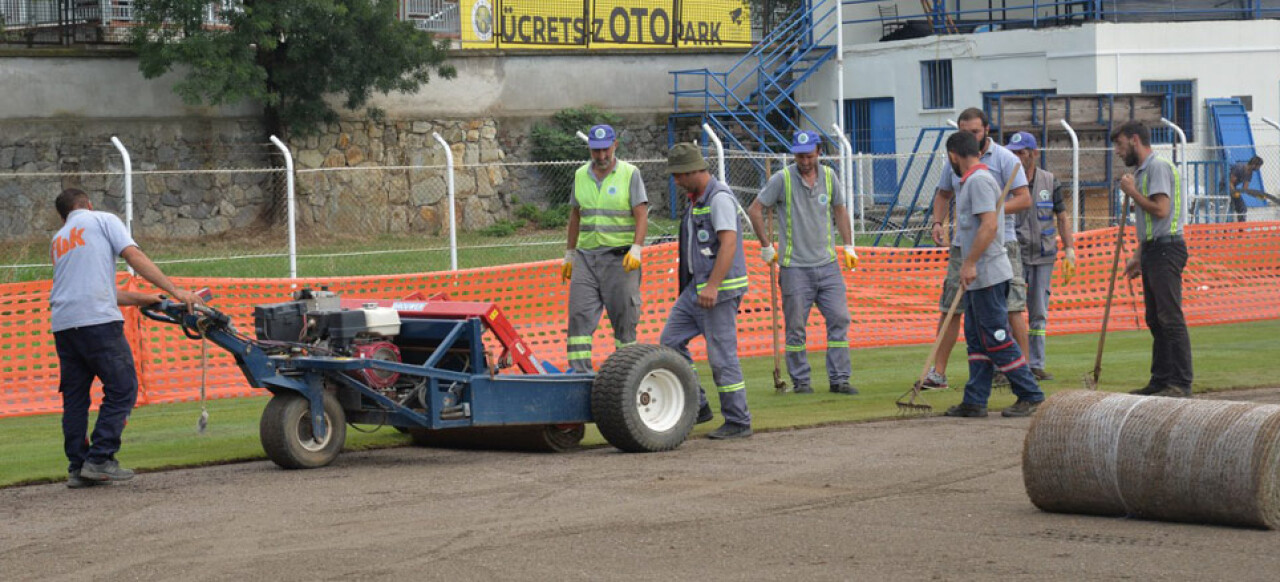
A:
(1175, 199)
(605, 210)
(700, 245)
(786, 192)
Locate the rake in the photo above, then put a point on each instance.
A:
(1091, 378)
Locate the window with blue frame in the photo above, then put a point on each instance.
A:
(1179, 97)
(935, 83)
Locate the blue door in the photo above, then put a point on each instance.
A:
(871, 127)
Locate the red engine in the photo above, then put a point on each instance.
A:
(377, 350)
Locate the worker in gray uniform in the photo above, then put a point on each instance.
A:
(806, 197)
(713, 279)
(608, 218)
(1039, 229)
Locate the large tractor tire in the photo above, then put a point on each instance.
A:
(645, 399)
(287, 435)
(550, 438)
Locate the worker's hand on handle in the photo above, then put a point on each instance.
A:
(566, 268)
(769, 254)
(1069, 266)
(968, 273)
(850, 258)
(1128, 185)
(186, 297)
(938, 232)
(1132, 268)
(631, 261)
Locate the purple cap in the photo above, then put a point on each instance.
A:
(804, 142)
(1021, 141)
(600, 137)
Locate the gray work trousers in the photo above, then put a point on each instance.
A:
(600, 283)
(802, 288)
(719, 327)
(1038, 289)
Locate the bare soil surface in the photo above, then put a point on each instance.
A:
(925, 499)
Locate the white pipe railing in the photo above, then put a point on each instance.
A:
(128, 187)
(453, 220)
(866, 184)
(292, 203)
(583, 137)
(719, 150)
(1182, 139)
(846, 180)
(1075, 174)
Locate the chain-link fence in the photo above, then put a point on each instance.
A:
(220, 209)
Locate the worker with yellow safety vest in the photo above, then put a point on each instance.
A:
(806, 197)
(608, 218)
(1156, 190)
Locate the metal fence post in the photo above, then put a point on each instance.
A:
(453, 220)
(128, 188)
(719, 149)
(1075, 174)
(846, 170)
(291, 202)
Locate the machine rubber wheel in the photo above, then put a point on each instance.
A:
(550, 438)
(287, 436)
(645, 399)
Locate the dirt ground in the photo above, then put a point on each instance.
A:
(926, 499)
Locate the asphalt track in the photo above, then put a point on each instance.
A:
(925, 499)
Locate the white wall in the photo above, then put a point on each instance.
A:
(1224, 58)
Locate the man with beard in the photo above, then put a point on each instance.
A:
(985, 272)
(1002, 164)
(608, 218)
(1156, 191)
(806, 195)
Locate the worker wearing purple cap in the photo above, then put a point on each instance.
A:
(608, 218)
(1039, 229)
(806, 197)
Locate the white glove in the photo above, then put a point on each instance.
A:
(631, 262)
(769, 254)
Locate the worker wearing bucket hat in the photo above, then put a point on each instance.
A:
(713, 279)
(806, 197)
(608, 218)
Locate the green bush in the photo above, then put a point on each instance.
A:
(558, 142)
(500, 229)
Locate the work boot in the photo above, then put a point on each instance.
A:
(844, 388)
(1174, 392)
(705, 414)
(964, 410)
(934, 381)
(999, 380)
(1041, 374)
(1021, 408)
(1147, 390)
(75, 481)
(108, 470)
(729, 430)
(804, 388)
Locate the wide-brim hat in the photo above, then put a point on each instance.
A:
(685, 157)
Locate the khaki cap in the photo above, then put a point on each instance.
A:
(684, 158)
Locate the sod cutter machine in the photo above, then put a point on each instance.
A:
(420, 365)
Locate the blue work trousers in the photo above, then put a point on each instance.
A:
(719, 327)
(992, 347)
(84, 353)
(802, 289)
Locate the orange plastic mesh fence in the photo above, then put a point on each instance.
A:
(1233, 275)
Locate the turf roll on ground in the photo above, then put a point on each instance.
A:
(1169, 459)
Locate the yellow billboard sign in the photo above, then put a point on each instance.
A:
(604, 24)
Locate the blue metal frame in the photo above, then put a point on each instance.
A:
(902, 182)
(484, 397)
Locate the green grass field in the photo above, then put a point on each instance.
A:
(164, 436)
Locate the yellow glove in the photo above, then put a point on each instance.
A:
(850, 258)
(566, 268)
(631, 261)
(1069, 266)
(769, 254)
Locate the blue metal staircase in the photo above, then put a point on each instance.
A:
(752, 105)
(1235, 138)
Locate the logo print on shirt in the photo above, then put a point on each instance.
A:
(704, 236)
(63, 245)
(822, 199)
(613, 191)
(1044, 194)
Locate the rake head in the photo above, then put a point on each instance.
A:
(909, 406)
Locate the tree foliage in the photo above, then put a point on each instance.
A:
(559, 141)
(288, 55)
